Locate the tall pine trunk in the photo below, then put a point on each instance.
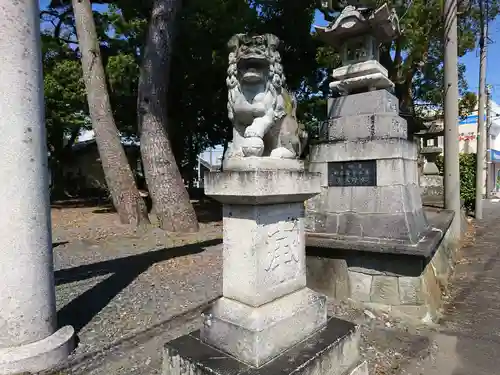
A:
(170, 198)
(130, 206)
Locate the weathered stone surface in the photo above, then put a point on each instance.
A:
(315, 203)
(30, 340)
(256, 335)
(374, 81)
(385, 264)
(392, 199)
(385, 290)
(411, 172)
(401, 284)
(430, 168)
(381, 25)
(364, 199)
(360, 286)
(396, 171)
(413, 311)
(405, 226)
(410, 290)
(39, 355)
(338, 199)
(322, 169)
(333, 350)
(428, 181)
(350, 224)
(329, 276)
(378, 307)
(358, 69)
(432, 289)
(441, 263)
(261, 186)
(253, 163)
(379, 101)
(373, 149)
(319, 222)
(262, 126)
(328, 238)
(378, 125)
(415, 199)
(264, 252)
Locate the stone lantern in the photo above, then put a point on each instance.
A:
(357, 33)
(370, 239)
(431, 182)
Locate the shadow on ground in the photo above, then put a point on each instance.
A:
(207, 210)
(80, 311)
(81, 202)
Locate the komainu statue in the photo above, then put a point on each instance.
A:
(262, 111)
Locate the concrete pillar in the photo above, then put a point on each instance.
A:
(29, 338)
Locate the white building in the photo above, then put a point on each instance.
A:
(467, 137)
(209, 160)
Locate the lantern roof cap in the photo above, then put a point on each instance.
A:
(382, 23)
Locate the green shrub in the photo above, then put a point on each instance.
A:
(467, 178)
(440, 164)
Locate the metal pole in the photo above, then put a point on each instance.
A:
(489, 165)
(481, 129)
(451, 149)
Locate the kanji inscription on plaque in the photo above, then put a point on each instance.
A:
(284, 241)
(352, 173)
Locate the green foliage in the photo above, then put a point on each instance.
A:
(467, 178)
(440, 164)
(197, 91)
(467, 104)
(122, 72)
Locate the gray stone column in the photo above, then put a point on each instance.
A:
(29, 339)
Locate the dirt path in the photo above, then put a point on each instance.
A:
(128, 292)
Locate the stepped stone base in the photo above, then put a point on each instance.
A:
(334, 351)
(398, 279)
(255, 335)
(39, 355)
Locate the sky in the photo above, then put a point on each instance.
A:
(471, 60)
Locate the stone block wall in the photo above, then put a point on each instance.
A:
(396, 283)
(366, 128)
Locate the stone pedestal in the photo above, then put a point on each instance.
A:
(431, 183)
(266, 309)
(29, 337)
(368, 223)
(370, 185)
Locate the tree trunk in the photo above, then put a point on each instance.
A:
(119, 178)
(169, 196)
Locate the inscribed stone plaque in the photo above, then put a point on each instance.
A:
(352, 173)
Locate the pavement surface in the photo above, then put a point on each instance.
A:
(468, 341)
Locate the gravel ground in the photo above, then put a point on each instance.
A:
(127, 292)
